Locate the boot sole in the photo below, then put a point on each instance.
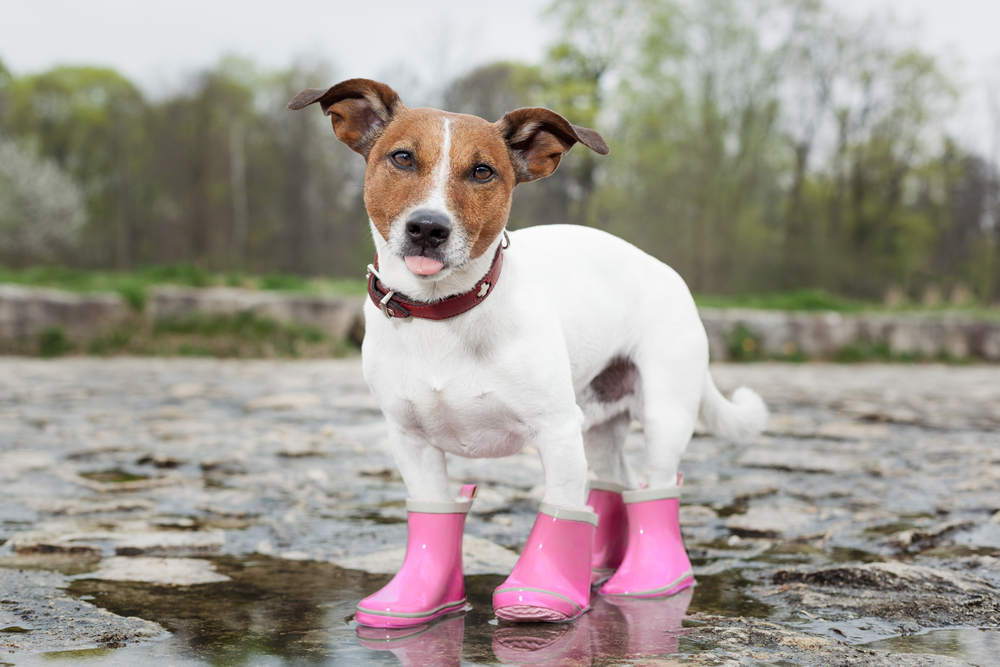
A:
(686, 580)
(511, 605)
(374, 619)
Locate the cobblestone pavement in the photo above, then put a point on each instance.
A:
(241, 508)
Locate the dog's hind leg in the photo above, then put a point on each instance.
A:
(605, 447)
(656, 562)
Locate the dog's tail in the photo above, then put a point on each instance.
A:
(744, 416)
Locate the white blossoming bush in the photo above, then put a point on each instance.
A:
(41, 207)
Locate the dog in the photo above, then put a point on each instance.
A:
(479, 343)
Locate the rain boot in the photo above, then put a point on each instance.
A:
(611, 537)
(655, 562)
(551, 580)
(430, 583)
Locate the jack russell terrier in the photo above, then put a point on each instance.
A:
(478, 343)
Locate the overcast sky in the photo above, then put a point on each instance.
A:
(157, 43)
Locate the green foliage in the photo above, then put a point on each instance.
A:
(742, 344)
(237, 336)
(807, 162)
(862, 352)
(178, 274)
(134, 286)
(799, 300)
(276, 281)
(53, 343)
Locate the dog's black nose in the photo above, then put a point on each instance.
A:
(428, 228)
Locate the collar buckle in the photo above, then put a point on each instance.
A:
(383, 304)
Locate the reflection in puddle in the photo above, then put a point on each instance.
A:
(279, 612)
(438, 644)
(615, 628)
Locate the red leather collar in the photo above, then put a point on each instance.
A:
(395, 305)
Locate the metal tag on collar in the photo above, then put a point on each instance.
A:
(506, 239)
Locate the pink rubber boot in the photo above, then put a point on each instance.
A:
(656, 562)
(430, 583)
(551, 580)
(611, 538)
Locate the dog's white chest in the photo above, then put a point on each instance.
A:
(461, 415)
(445, 396)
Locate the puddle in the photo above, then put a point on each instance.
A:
(281, 612)
(114, 476)
(980, 647)
(723, 594)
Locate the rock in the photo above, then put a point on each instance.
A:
(823, 335)
(54, 545)
(84, 507)
(895, 592)
(754, 641)
(697, 515)
(339, 316)
(29, 311)
(479, 556)
(291, 401)
(915, 540)
(35, 600)
(164, 571)
(170, 543)
(771, 520)
(16, 461)
(186, 390)
(802, 460)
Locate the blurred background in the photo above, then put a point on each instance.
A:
(758, 146)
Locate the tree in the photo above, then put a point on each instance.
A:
(41, 207)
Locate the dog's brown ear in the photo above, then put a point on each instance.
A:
(359, 108)
(538, 138)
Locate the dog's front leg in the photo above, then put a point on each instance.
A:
(421, 464)
(560, 447)
(551, 581)
(430, 583)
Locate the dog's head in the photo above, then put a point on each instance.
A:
(438, 185)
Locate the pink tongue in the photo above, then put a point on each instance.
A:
(423, 266)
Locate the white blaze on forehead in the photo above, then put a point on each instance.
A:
(438, 200)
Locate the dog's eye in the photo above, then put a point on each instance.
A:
(402, 158)
(482, 172)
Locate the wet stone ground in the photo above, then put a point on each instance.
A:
(205, 512)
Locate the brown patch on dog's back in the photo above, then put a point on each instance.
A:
(618, 380)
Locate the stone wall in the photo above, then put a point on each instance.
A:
(29, 311)
(823, 335)
(26, 312)
(339, 316)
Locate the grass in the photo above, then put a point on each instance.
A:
(134, 286)
(807, 300)
(816, 300)
(242, 336)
